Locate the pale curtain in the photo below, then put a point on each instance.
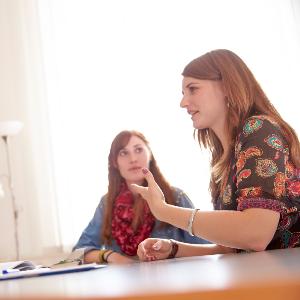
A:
(23, 97)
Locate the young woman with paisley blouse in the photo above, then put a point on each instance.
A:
(123, 219)
(255, 163)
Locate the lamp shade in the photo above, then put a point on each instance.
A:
(8, 128)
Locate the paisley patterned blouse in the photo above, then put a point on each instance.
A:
(262, 176)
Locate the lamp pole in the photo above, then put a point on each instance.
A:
(7, 129)
(13, 198)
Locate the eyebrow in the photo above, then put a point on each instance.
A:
(188, 85)
(136, 145)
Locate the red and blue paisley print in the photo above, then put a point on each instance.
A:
(252, 125)
(265, 168)
(275, 142)
(263, 176)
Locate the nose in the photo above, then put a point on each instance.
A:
(132, 157)
(184, 102)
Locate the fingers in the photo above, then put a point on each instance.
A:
(148, 176)
(157, 245)
(152, 193)
(153, 249)
(146, 249)
(141, 252)
(139, 189)
(153, 186)
(150, 179)
(151, 190)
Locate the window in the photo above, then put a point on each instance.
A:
(114, 65)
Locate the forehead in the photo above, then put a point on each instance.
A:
(189, 80)
(214, 84)
(135, 140)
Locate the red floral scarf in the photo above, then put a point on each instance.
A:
(122, 217)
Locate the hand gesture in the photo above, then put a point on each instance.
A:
(152, 194)
(154, 249)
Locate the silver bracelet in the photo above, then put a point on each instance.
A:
(191, 221)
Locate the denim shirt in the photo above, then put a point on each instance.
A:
(90, 237)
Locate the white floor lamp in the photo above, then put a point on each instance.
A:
(8, 129)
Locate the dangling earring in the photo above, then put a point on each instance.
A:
(227, 102)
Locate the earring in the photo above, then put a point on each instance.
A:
(227, 101)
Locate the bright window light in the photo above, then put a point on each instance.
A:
(115, 65)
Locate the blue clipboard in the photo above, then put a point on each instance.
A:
(50, 271)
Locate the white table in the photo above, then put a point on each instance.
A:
(262, 275)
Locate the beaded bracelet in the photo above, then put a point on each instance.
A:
(101, 254)
(110, 252)
(174, 249)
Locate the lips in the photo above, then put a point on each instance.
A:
(193, 114)
(135, 169)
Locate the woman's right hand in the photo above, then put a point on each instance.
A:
(154, 249)
(152, 194)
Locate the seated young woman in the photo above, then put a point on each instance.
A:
(123, 219)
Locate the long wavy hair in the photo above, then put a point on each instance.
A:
(245, 98)
(115, 181)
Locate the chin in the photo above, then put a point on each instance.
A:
(136, 180)
(200, 125)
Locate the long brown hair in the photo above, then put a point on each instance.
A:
(245, 98)
(115, 180)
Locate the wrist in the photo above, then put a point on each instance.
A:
(161, 211)
(173, 249)
(101, 256)
(191, 222)
(107, 256)
(104, 255)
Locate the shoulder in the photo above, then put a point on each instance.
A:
(260, 127)
(259, 123)
(102, 201)
(181, 198)
(260, 131)
(178, 192)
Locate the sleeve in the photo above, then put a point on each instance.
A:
(90, 237)
(260, 166)
(184, 201)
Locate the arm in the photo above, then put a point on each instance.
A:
(115, 257)
(182, 200)
(156, 249)
(261, 162)
(90, 237)
(253, 228)
(197, 250)
(90, 240)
